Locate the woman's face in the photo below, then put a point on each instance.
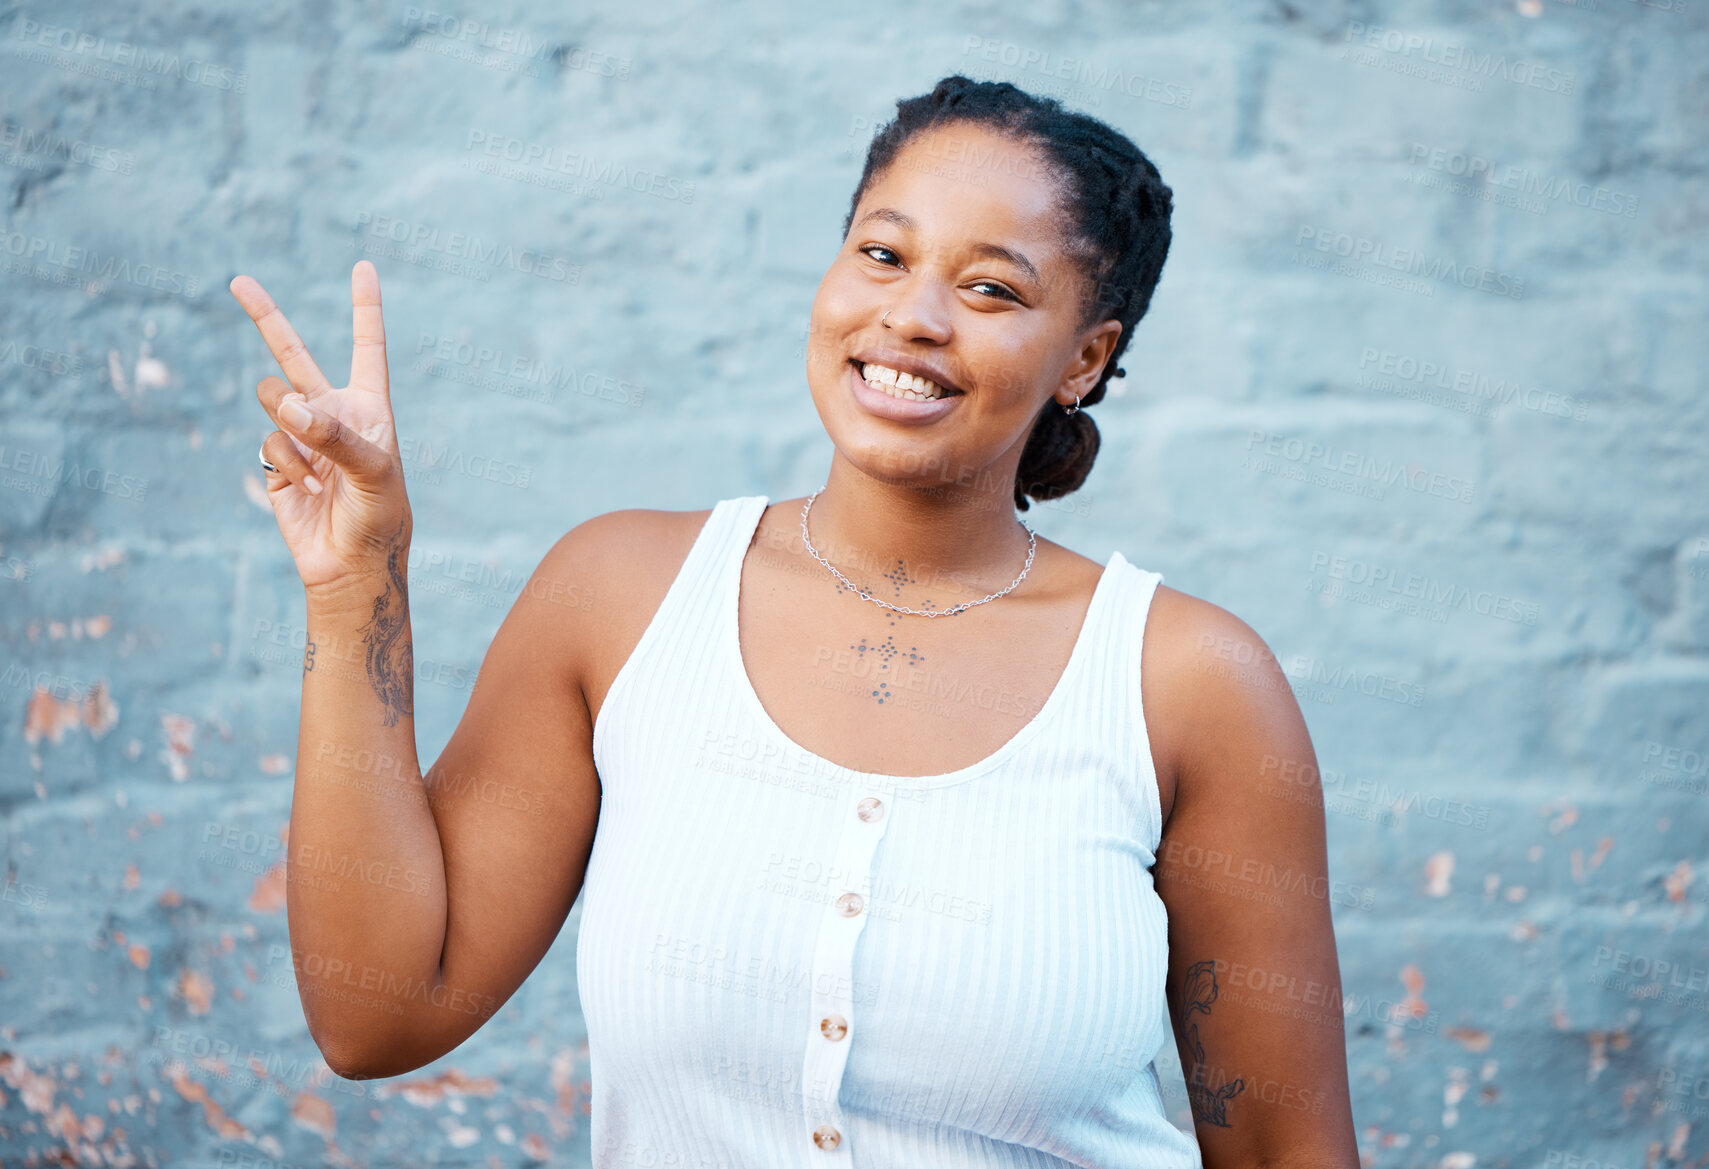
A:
(958, 241)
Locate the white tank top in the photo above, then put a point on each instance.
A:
(784, 961)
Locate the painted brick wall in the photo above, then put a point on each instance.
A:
(1420, 398)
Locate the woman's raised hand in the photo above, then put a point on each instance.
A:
(338, 493)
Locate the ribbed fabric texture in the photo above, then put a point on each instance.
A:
(783, 961)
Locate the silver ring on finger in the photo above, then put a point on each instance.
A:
(262, 455)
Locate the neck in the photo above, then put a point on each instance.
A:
(956, 542)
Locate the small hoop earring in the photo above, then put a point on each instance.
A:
(1074, 409)
(882, 319)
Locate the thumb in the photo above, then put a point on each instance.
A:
(324, 434)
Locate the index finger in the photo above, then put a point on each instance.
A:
(288, 348)
(368, 331)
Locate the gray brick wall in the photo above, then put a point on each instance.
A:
(1466, 240)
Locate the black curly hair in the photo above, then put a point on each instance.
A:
(1117, 210)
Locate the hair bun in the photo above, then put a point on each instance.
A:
(1058, 455)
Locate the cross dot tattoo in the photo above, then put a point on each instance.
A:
(897, 576)
(884, 653)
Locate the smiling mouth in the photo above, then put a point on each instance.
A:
(906, 386)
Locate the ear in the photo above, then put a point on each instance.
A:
(1096, 345)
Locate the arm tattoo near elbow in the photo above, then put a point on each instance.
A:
(391, 662)
(1208, 1097)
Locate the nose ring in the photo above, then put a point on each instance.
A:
(882, 319)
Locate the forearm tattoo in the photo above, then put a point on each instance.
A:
(391, 662)
(1210, 1105)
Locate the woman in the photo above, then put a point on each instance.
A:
(897, 861)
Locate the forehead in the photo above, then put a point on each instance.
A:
(963, 183)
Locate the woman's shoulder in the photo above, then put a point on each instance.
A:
(1192, 629)
(629, 547)
(1202, 668)
(1197, 650)
(620, 564)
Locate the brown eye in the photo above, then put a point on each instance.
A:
(870, 248)
(1002, 293)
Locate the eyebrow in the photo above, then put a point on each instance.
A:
(985, 250)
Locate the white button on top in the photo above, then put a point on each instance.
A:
(861, 823)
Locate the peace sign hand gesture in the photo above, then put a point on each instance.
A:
(338, 493)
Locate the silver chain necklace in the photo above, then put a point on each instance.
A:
(1032, 546)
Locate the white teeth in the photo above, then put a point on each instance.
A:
(897, 384)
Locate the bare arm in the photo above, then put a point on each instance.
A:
(416, 905)
(468, 871)
(1254, 986)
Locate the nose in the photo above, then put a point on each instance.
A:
(915, 314)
